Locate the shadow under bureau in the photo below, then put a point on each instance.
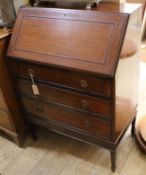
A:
(68, 74)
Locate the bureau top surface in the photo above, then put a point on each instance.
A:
(88, 41)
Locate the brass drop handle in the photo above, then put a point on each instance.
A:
(87, 124)
(85, 104)
(40, 108)
(83, 83)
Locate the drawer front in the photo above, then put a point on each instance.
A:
(59, 77)
(70, 99)
(76, 120)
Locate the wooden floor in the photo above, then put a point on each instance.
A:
(53, 154)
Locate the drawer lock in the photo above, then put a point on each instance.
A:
(83, 84)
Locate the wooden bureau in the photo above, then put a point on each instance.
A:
(73, 57)
(11, 122)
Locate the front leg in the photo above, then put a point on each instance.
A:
(113, 160)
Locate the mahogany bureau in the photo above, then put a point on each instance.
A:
(68, 74)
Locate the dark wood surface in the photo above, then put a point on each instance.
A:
(79, 96)
(11, 121)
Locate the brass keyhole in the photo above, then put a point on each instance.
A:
(83, 84)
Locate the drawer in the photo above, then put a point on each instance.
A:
(99, 106)
(64, 78)
(76, 120)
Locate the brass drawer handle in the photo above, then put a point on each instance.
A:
(40, 108)
(83, 83)
(85, 104)
(87, 124)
